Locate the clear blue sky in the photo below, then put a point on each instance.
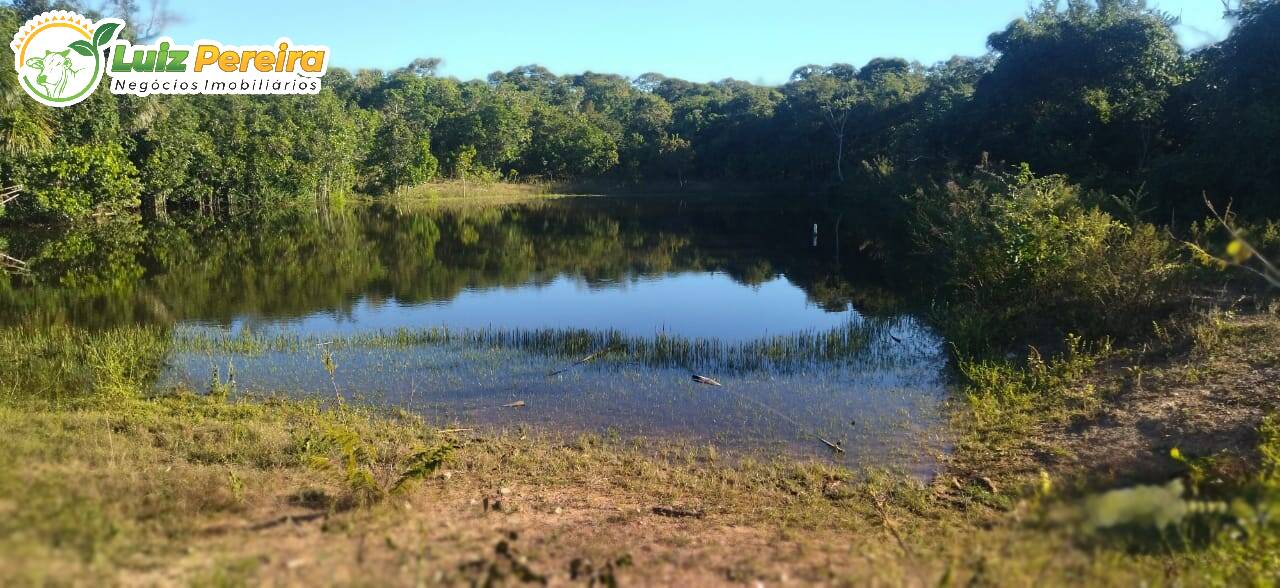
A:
(754, 40)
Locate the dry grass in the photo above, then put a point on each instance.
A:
(456, 191)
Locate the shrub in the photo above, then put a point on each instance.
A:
(1023, 257)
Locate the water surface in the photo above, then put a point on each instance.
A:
(805, 339)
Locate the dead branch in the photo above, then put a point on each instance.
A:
(13, 264)
(9, 194)
(889, 524)
(834, 446)
(678, 512)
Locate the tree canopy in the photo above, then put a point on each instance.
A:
(1097, 90)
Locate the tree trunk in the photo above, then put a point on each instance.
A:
(840, 156)
(155, 208)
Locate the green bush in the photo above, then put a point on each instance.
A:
(1022, 257)
(71, 183)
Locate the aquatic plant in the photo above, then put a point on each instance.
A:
(779, 352)
(66, 363)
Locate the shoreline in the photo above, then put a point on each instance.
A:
(188, 489)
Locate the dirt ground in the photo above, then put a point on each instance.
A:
(530, 537)
(1207, 403)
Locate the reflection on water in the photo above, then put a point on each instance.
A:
(739, 292)
(694, 304)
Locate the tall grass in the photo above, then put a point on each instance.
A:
(781, 352)
(61, 363)
(1005, 399)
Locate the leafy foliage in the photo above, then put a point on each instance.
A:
(1078, 88)
(1095, 89)
(1026, 256)
(75, 182)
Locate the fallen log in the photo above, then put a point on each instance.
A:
(834, 446)
(705, 380)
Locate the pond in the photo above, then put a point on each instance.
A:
(479, 315)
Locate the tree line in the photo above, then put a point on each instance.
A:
(1099, 91)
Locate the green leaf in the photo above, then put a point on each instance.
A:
(105, 33)
(82, 47)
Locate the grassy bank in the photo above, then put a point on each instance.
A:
(104, 481)
(449, 190)
(488, 192)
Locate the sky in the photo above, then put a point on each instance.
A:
(699, 40)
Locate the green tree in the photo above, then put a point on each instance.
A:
(401, 149)
(567, 145)
(830, 96)
(25, 125)
(1228, 117)
(1078, 88)
(71, 183)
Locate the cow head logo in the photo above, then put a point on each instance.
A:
(59, 55)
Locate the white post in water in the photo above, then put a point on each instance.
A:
(815, 234)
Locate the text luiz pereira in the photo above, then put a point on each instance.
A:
(208, 67)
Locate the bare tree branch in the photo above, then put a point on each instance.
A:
(1269, 271)
(9, 194)
(13, 264)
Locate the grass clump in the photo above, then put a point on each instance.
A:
(99, 470)
(64, 364)
(1003, 405)
(1005, 400)
(110, 490)
(482, 189)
